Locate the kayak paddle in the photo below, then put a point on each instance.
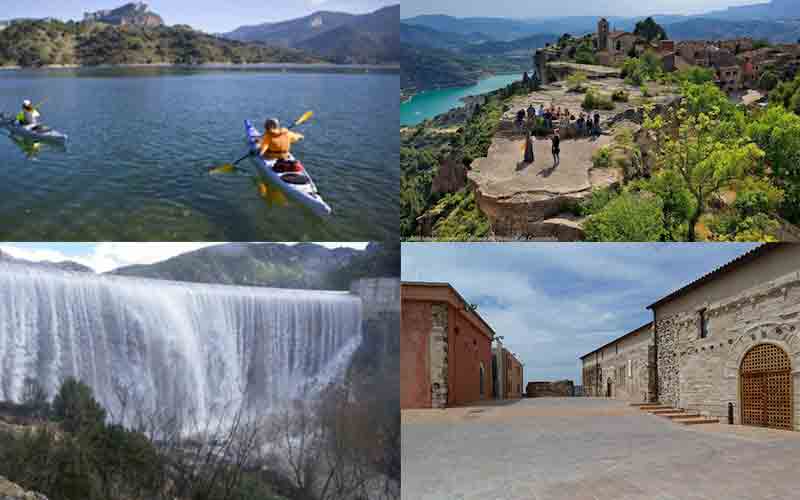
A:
(41, 103)
(306, 116)
(229, 168)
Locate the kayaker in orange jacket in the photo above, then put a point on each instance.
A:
(277, 142)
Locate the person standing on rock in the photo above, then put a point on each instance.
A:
(556, 148)
(529, 153)
(596, 123)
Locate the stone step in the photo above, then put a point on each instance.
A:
(643, 404)
(696, 420)
(674, 416)
(657, 407)
(670, 410)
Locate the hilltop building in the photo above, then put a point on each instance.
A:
(731, 337)
(445, 348)
(137, 14)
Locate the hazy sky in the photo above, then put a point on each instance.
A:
(213, 16)
(104, 257)
(545, 8)
(554, 302)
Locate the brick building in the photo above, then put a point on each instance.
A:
(445, 348)
(730, 337)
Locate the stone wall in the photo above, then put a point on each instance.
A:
(702, 374)
(625, 366)
(560, 388)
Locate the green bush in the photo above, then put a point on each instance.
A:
(595, 100)
(629, 217)
(602, 157)
(645, 90)
(576, 81)
(620, 96)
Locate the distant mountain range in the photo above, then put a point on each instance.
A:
(344, 38)
(777, 21)
(304, 266)
(776, 9)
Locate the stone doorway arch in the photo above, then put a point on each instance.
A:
(766, 387)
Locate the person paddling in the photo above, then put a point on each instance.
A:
(277, 142)
(29, 116)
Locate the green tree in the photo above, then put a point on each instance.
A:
(703, 143)
(768, 81)
(629, 217)
(34, 396)
(777, 133)
(650, 30)
(76, 408)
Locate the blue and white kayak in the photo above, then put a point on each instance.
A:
(38, 133)
(287, 175)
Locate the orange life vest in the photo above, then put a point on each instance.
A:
(277, 143)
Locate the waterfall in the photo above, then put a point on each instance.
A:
(185, 348)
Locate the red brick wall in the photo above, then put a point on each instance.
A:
(468, 346)
(415, 383)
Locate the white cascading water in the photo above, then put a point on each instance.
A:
(184, 348)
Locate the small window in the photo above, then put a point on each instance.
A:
(617, 346)
(703, 324)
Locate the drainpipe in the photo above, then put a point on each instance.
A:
(730, 413)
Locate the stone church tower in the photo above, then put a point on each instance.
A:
(602, 34)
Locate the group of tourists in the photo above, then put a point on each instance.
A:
(560, 122)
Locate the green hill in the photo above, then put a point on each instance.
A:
(41, 43)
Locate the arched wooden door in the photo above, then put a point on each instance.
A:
(766, 382)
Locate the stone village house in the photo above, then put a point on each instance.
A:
(446, 354)
(731, 336)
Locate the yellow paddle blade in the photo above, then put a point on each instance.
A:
(304, 118)
(272, 195)
(228, 168)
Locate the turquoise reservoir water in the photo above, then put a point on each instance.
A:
(141, 142)
(435, 102)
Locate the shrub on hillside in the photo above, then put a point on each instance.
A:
(629, 217)
(595, 100)
(620, 96)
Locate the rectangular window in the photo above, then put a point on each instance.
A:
(703, 324)
(630, 369)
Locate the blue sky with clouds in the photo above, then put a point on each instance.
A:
(545, 8)
(104, 257)
(554, 302)
(213, 16)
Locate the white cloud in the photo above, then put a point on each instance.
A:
(104, 257)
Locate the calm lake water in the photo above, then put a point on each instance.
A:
(435, 102)
(141, 142)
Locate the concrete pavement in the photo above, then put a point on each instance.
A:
(589, 448)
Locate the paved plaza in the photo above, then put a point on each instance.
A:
(589, 448)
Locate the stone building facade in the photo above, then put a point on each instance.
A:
(731, 337)
(622, 369)
(513, 375)
(728, 341)
(445, 348)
